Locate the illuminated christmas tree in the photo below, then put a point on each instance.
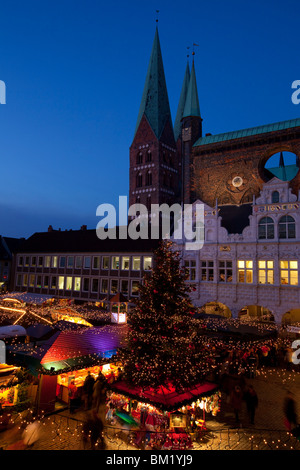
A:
(161, 347)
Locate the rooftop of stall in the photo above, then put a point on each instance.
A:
(70, 350)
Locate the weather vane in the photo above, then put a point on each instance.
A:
(157, 11)
(194, 44)
(188, 55)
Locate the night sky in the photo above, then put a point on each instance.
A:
(74, 72)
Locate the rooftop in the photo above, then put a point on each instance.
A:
(253, 131)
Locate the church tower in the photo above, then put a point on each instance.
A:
(188, 126)
(154, 164)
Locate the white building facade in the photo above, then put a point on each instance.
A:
(249, 268)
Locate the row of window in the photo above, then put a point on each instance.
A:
(286, 228)
(148, 158)
(167, 180)
(265, 268)
(78, 284)
(95, 262)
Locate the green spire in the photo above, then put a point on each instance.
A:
(155, 101)
(192, 107)
(182, 100)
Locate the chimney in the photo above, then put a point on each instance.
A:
(208, 134)
(50, 228)
(83, 227)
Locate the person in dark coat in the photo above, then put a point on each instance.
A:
(236, 398)
(289, 409)
(251, 402)
(88, 390)
(92, 431)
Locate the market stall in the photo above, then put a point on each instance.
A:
(163, 418)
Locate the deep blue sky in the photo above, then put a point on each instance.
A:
(75, 70)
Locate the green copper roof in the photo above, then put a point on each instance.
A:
(155, 101)
(181, 104)
(192, 107)
(248, 132)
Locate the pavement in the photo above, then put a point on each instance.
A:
(62, 431)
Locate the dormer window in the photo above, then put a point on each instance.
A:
(275, 196)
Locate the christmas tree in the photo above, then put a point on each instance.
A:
(161, 347)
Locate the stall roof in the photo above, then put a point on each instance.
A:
(165, 398)
(27, 297)
(70, 349)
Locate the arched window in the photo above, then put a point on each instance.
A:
(275, 196)
(139, 158)
(149, 156)
(165, 179)
(148, 203)
(287, 227)
(266, 228)
(148, 178)
(139, 180)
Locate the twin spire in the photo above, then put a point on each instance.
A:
(155, 102)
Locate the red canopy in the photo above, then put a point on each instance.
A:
(165, 397)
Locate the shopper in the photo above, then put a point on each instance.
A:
(73, 396)
(88, 390)
(251, 402)
(289, 409)
(236, 402)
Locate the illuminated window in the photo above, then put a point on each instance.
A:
(114, 286)
(135, 288)
(265, 272)
(61, 282)
(25, 280)
(31, 280)
(136, 263)
(287, 227)
(245, 271)
(207, 271)
(54, 261)
(69, 283)
(77, 283)
(225, 271)
(190, 267)
(289, 272)
(115, 262)
(266, 228)
(26, 260)
(47, 261)
(104, 286)
(105, 262)
(125, 262)
(147, 263)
